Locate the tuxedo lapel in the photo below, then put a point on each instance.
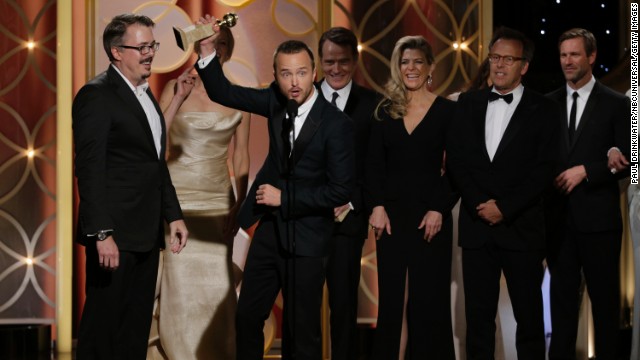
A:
(352, 101)
(123, 90)
(163, 134)
(479, 114)
(520, 115)
(562, 100)
(276, 124)
(311, 124)
(588, 114)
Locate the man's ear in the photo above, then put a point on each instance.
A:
(524, 68)
(592, 58)
(115, 53)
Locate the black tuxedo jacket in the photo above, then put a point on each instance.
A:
(516, 178)
(594, 205)
(323, 172)
(122, 182)
(360, 107)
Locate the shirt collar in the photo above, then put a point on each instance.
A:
(584, 91)
(138, 90)
(304, 108)
(328, 91)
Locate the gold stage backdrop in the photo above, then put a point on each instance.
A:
(28, 159)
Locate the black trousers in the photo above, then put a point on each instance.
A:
(343, 280)
(597, 256)
(524, 272)
(427, 265)
(269, 269)
(117, 312)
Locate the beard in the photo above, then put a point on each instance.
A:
(576, 76)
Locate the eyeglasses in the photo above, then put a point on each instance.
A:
(143, 49)
(507, 59)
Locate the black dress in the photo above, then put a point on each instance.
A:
(403, 174)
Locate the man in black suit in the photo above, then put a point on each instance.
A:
(500, 157)
(584, 221)
(308, 172)
(338, 51)
(125, 193)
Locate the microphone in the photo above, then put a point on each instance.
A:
(287, 126)
(292, 109)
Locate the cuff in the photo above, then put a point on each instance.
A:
(202, 63)
(613, 148)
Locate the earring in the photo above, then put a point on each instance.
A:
(429, 80)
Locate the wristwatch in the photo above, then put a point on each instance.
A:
(103, 234)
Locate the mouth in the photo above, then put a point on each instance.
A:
(500, 74)
(295, 92)
(147, 62)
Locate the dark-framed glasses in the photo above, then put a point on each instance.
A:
(506, 59)
(143, 49)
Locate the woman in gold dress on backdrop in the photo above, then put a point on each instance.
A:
(197, 295)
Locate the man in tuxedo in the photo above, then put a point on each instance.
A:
(584, 220)
(125, 193)
(308, 172)
(500, 157)
(338, 51)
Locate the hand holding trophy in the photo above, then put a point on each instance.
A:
(193, 33)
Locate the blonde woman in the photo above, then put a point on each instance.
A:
(411, 209)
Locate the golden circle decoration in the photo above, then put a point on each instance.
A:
(237, 3)
(312, 21)
(169, 7)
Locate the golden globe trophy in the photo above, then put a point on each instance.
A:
(193, 33)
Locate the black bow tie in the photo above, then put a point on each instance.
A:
(495, 96)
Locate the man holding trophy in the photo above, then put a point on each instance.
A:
(307, 173)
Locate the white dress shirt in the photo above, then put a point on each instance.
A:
(498, 117)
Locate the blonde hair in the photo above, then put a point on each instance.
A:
(395, 93)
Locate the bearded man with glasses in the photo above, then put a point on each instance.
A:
(125, 193)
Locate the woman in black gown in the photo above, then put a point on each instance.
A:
(411, 209)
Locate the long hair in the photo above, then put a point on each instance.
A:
(395, 92)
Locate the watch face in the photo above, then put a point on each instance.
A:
(102, 236)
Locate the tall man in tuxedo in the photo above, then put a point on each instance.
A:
(125, 193)
(338, 51)
(308, 172)
(500, 157)
(585, 224)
